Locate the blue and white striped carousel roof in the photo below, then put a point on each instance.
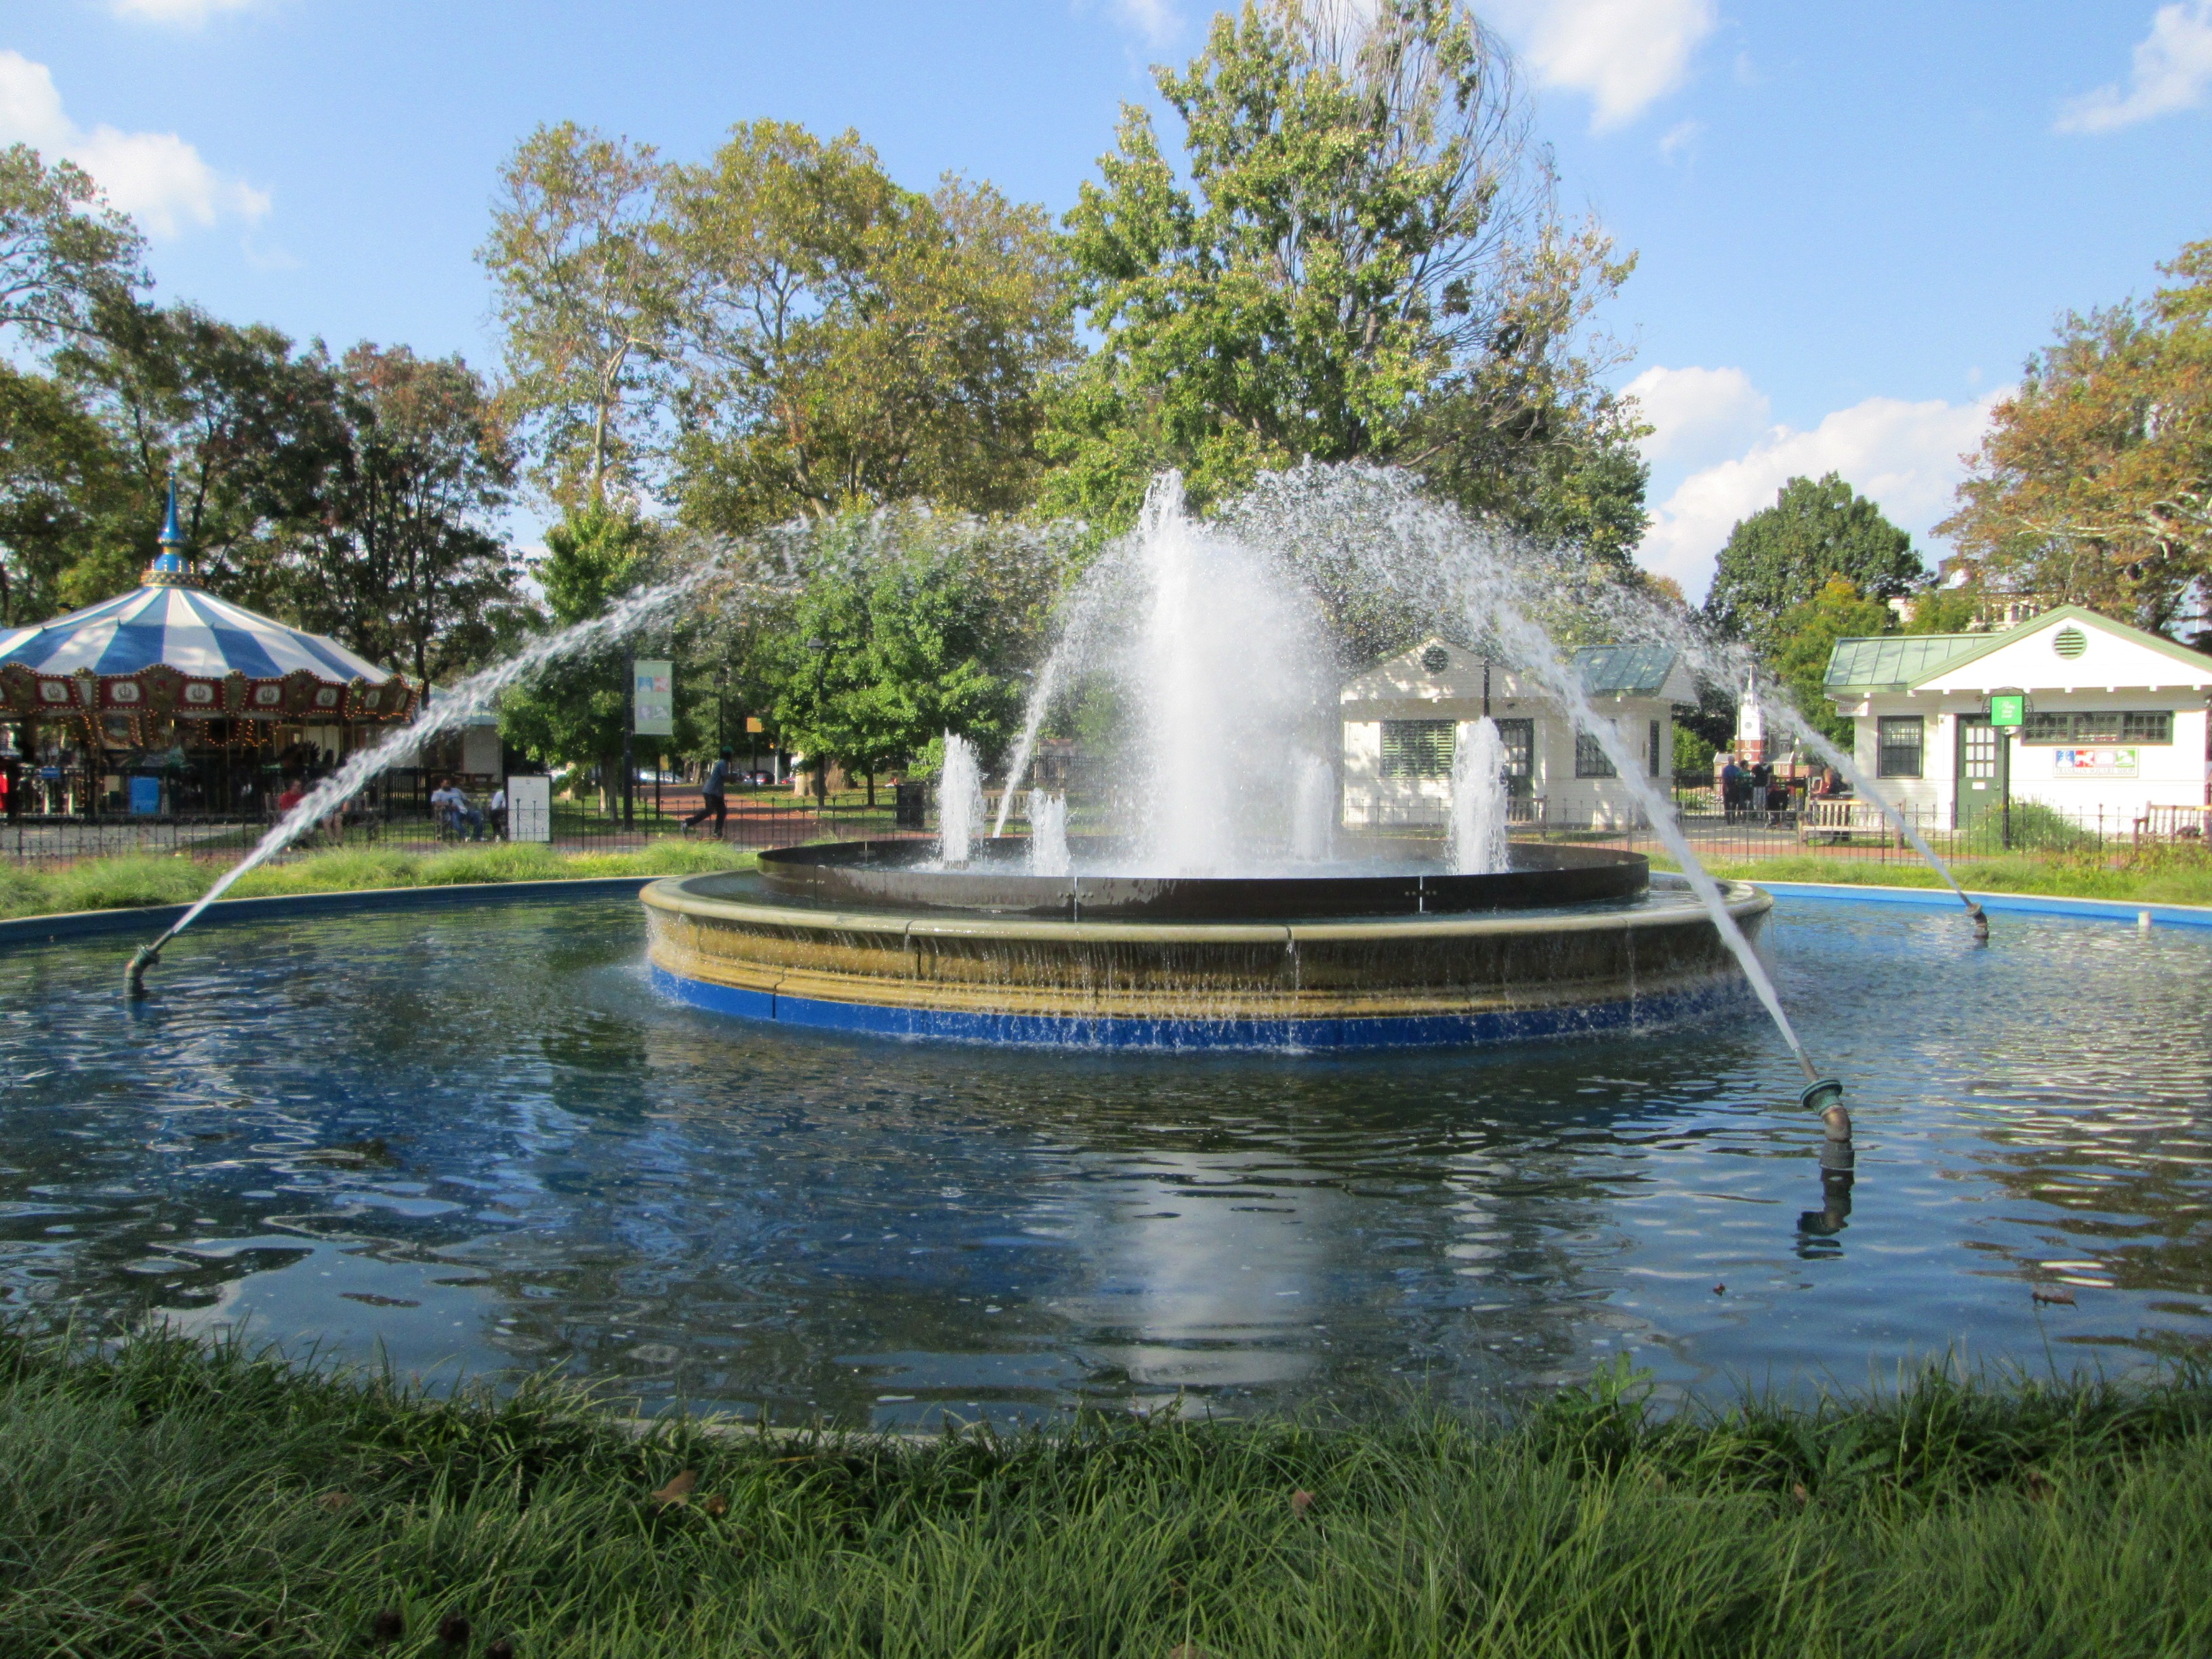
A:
(190, 629)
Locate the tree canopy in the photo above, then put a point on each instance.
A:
(1359, 257)
(845, 342)
(1784, 555)
(2093, 483)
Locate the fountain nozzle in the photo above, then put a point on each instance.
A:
(134, 976)
(1981, 921)
(1821, 1093)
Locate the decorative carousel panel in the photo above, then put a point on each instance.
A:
(202, 699)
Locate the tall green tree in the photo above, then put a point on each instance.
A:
(65, 492)
(64, 253)
(411, 569)
(584, 299)
(848, 342)
(1358, 256)
(908, 628)
(249, 426)
(1807, 634)
(1784, 554)
(2093, 483)
(576, 712)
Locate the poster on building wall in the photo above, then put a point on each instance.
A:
(2093, 762)
(654, 698)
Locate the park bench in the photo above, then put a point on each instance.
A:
(1843, 818)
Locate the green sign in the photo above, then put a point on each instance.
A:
(653, 698)
(2009, 710)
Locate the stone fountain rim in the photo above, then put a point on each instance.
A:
(672, 895)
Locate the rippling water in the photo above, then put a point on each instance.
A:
(477, 1140)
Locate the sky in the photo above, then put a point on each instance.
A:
(1852, 222)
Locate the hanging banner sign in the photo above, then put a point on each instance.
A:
(2093, 762)
(653, 698)
(2007, 709)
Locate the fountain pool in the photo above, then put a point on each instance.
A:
(383, 1134)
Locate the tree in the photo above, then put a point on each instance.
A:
(249, 428)
(847, 343)
(411, 569)
(583, 294)
(1362, 258)
(1784, 554)
(2093, 483)
(1806, 635)
(64, 492)
(576, 712)
(63, 252)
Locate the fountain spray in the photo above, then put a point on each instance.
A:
(471, 695)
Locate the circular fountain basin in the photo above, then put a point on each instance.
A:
(856, 937)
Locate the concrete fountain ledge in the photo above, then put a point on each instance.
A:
(1380, 981)
(151, 919)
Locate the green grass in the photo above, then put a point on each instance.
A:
(158, 1498)
(114, 883)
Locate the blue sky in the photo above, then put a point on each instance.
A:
(1853, 221)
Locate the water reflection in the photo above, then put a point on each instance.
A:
(477, 1139)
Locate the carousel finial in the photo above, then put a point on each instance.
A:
(171, 566)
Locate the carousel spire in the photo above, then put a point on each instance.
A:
(171, 568)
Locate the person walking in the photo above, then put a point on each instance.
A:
(714, 796)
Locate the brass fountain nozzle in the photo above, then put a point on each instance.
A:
(1981, 921)
(1821, 1093)
(134, 976)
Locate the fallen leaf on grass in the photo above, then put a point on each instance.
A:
(1802, 1496)
(715, 1504)
(677, 1491)
(337, 1498)
(1301, 1502)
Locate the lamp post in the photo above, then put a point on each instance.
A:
(630, 723)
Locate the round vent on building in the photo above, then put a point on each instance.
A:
(1436, 659)
(2069, 642)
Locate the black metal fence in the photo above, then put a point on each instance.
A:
(402, 820)
(399, 819)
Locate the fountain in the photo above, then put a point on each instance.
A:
(1222, 904)
(1476, 843)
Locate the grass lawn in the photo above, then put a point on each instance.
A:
(110, 883)
(165, 1499)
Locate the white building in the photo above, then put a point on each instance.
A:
(1401, 720)
(2115, 718)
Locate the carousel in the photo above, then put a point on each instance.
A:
(169, 702)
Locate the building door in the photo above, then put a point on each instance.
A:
(1985, 769)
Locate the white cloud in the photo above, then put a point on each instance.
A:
(1682, 137)
(1157, 20)
(1904, 455)
(1699, 415)
(155, 177)
(2173, 70)
(190, 14)
(1625, 54)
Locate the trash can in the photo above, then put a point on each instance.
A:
(913, 805)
